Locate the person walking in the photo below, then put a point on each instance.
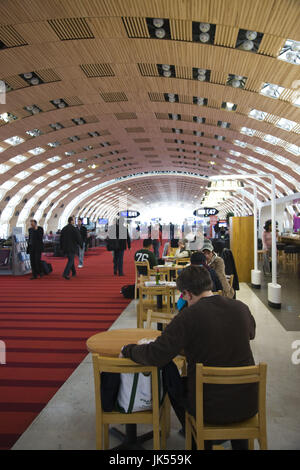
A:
(84, 236)
(70, 238)
(35, 248)
(117, 242)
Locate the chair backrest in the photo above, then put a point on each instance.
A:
(233, 376)
(141, 268)
(172, 251)
(155, 290)
(118, 365)
(158, 317)
(183, 260)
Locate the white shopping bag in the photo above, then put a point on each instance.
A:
(135, 391)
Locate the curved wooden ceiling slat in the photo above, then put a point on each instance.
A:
(110, 78)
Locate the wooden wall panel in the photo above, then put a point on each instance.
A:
(242, 246)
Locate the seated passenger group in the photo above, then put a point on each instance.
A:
(206, 257)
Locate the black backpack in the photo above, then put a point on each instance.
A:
(46, 267)
(128, 291)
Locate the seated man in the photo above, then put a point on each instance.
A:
(146, 254)
(215, 331)
(199, 259)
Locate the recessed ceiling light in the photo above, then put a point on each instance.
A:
(236, 81)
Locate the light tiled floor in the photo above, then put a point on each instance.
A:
(68, 421)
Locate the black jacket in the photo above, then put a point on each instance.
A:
(216, 331)
(230, 267)
(115, 243)
(70, 238)
(35, 241)
(83, 233)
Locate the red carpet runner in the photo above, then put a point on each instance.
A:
(45, 324)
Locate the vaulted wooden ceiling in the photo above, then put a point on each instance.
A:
(89, 100)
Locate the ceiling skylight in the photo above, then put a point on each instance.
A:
(15, 140)
(285, 124)
(271, 91)
(247, 131)
(18, 159)
(256, 114)
(290, 52)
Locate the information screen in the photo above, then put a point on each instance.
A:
(102, 221)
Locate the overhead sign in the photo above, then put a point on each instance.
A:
(102, 221)
(129, 214)
(205, 212)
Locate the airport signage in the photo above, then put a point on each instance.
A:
(102, 221)
(205, 212)
(129, 214)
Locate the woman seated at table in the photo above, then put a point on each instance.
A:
(182, 251)
(214, 261)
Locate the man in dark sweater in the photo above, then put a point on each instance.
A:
(212, 330)
(70, 239)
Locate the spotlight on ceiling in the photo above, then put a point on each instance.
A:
(203, 32)
(31, 78)
(166, 70)
(202, 75)
(228, 106)
(236, 81)
(158, 28)
(248, 40)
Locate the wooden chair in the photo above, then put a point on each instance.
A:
(260, 255)
(148, 300)
(254, 428)
(156, 416)
(180, 361)
(149, 272)
(158, 317)
(172, 251)
(140, 264)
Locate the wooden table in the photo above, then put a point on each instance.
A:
(168, 269)
(109, 343)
